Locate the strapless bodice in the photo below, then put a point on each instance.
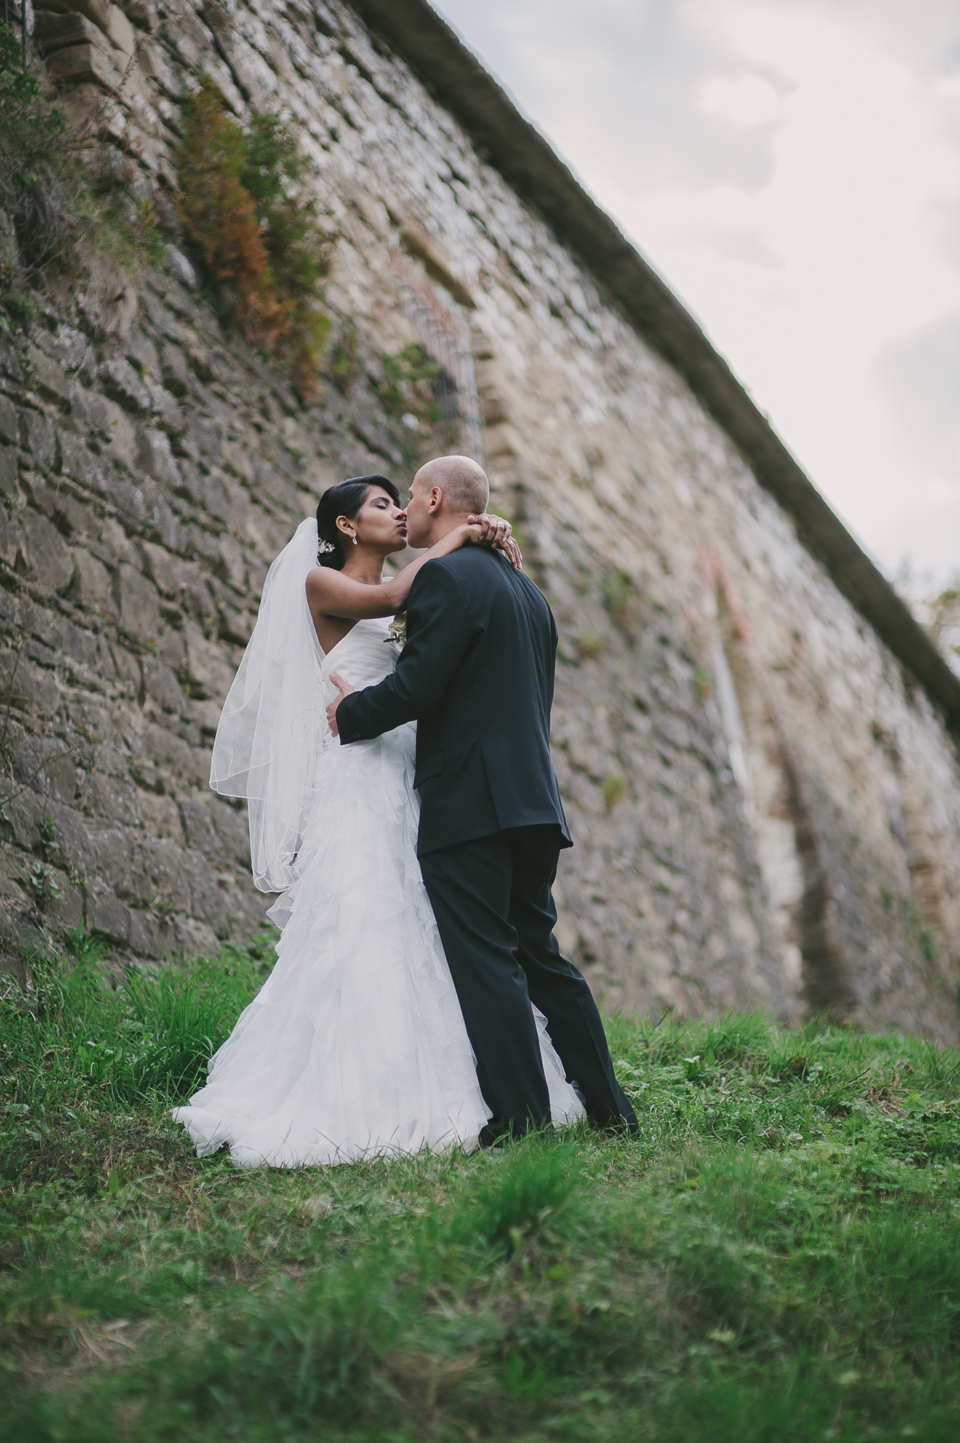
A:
(365, 655)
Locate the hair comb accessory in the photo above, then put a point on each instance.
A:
(325, 547)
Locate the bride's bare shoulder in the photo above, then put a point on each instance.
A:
(322, 580)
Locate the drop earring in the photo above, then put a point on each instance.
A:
(354, 540)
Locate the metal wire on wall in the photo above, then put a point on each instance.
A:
(442, 330)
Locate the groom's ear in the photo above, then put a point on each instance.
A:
(436, 497)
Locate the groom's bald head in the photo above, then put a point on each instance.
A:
(444, 492)
(464, 484)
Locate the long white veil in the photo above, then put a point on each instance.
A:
(274, 720)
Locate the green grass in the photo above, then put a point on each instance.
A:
(777, 1259)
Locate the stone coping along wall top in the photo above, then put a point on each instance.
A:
(532, 167)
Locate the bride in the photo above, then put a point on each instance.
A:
(355, 1046)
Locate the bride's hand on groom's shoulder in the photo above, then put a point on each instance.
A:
(487, 530)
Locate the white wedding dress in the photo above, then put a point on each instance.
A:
(355, 1046)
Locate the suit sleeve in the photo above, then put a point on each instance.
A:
(439, 632)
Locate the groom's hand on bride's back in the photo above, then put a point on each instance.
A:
(343, 689)
(487, 530)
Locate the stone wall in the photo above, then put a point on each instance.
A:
(766, 804)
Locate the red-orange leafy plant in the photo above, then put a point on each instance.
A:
(257, 236)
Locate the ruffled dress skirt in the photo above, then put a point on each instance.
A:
(355, 1047)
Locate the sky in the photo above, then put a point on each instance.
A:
(792, 169)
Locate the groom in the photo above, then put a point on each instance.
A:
(477, 674)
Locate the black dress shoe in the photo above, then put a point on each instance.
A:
(617, 1126)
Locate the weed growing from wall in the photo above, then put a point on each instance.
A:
(258, 238)
(614, 790)
(64, 193)
(620, 598)
(420, 397)
(32, 184)
(343, 361)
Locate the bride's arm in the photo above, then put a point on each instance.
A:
(330, 593)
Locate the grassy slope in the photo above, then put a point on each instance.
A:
(778, 1259)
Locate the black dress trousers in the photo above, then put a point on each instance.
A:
(494, 906)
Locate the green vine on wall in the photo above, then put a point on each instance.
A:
(256, 234)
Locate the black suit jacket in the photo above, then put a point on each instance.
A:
(477, 674)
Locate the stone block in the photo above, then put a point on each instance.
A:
(161, 686)
(149, 936)
(121, 383)
(9, 252)
(115, 541)
(231, 563)
(48, 378)
(162, 861)
(8, 472)
(92, 586)
(207, 436)
(89, 411)
(96, 10)
(61, 636)
(26, 686)
(112, 798)
(137, 600)
(208, 672)
(143, 13)
(70, 348)
(45, 554)
(206, 715)
(235, 625)
(76, 851)
(9, 430)
(110, 918)
(90, 63)
(191, 484)
(9, 539)
(77, 461)
(196, 812)
(120, 32)
(234, 830)
(61, 777)
(126, 666)
(168, 413)
(24, 810)
(114, 860)
(141, 350)
(214, 499)
(195, 939)
(53, 31)
(174, 757)
(162, 568)
(162, 320)
(161, 816)
(156, 459)
(179, 266)
(10, 364)
(38, 436)
(206, 898)
(55, 503)
(122, 436)
(166, 525)
(67, 909)
(174, 369)
(173, 651)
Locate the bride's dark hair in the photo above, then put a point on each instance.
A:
(344, 499)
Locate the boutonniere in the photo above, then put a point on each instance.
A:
(397, 635)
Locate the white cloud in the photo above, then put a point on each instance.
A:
(793, 168)
(746, 100)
